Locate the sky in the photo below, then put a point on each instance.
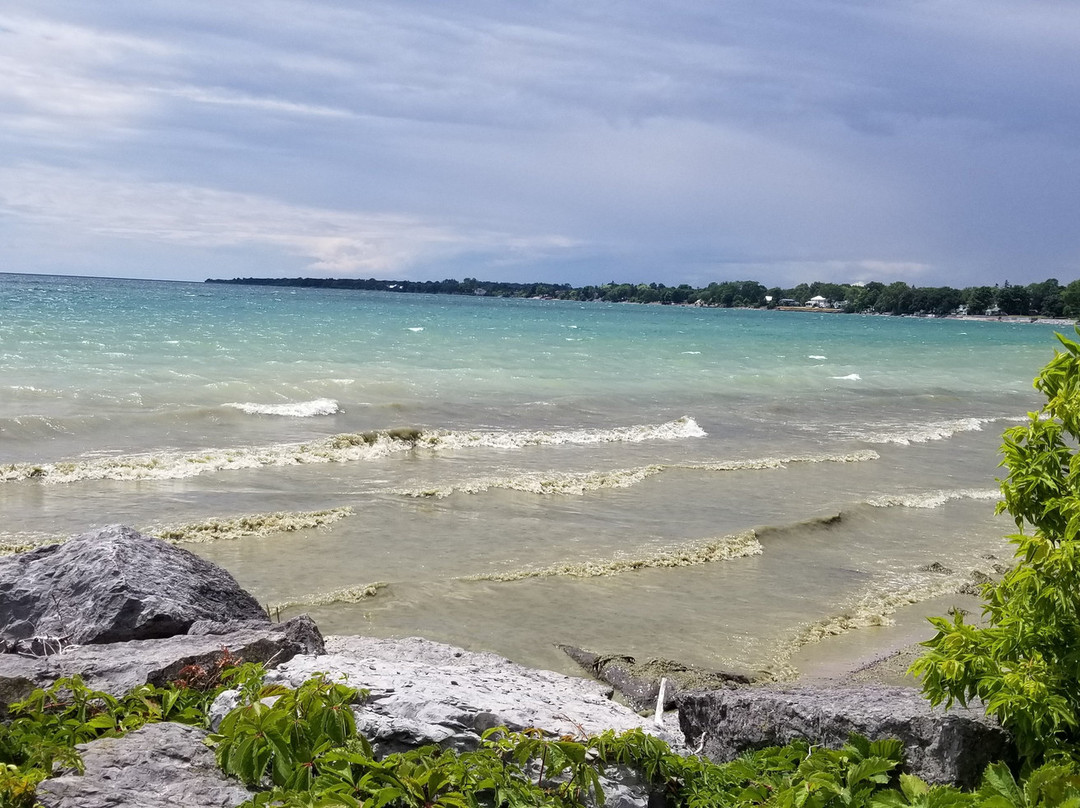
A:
(689, 141)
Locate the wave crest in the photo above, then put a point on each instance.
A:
(295, 409)
(922, 433)
(349, 594)
(933, 499)
(341, 448)
(739, 545)
(260, 524)
(580, 483)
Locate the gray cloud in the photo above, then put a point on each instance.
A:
(695, 141)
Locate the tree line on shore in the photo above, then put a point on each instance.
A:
(1044, 299)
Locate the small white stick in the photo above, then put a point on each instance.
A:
(659, 717)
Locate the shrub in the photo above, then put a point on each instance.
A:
(1024, 661)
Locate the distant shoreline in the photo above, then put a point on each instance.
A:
(1047, 302)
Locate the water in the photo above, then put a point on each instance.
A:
(717, 486)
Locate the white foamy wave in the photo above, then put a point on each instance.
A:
(692, 353)
(295, 409)
(258, 524)
(342, 448)
(577, 484)
(876, 605)
(183, 465)
(933, 499)
(416, 328)
(580, 483)
(851, 377)
(921, 433)
(780, 462)
(817, 356)
(350, 594)
(23, 541)
(678, 429)
(725, 548)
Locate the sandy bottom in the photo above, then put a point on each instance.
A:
(880, 655)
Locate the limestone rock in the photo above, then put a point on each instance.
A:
(952, 746)
(118, 667)
(113, 585)
(423, 692)
(158, 766)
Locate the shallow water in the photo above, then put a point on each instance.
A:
(584, 473)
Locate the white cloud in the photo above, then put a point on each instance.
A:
(59, 77)
(331, 240)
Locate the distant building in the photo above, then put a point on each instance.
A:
(818, 302)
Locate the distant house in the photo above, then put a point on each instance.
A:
(818, 302)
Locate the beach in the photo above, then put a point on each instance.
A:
(759, 491)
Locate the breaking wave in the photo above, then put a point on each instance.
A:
(296, 409)
(542, 483)
(11, 543)
(350, 594)
(933, 499)
(341, 448)
(261, 524)
(580, 483)
(921, 433)
(781, 462)
(739, 545)
(879, 601)
(679, 429)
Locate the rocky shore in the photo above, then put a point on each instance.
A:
(121, 609)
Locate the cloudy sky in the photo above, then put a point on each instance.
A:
(684, 141)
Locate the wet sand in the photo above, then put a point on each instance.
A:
(879, 655)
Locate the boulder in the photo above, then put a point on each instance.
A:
(639, 682)
(118, 667)
(158, 766)
(424, 692)
(112, 585)
(941, 746)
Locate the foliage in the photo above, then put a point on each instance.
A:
(280, 734)
(43, 729)
(302, 746)
(1024, 663)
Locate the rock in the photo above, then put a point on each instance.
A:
(118, 667)
(423, 692)
(113, 585)
(952, 746)
(639, 682)
(158, 766)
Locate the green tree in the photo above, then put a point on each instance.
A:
(1013, 299)
(978, 299)
(1024, 662)
(1071, 296)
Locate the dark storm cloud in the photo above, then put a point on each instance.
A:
(692, 141)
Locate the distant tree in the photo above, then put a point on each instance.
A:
(1045, 298)
(1070, 295)
(896, 298)
(1013, 299)
(978, 299)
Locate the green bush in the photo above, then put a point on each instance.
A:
(1024, 661)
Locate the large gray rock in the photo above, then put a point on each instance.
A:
(112, 585)
(952, 746)
(118, 667)
(158, 766)
(423, 692)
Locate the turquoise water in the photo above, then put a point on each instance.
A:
(557, 441)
